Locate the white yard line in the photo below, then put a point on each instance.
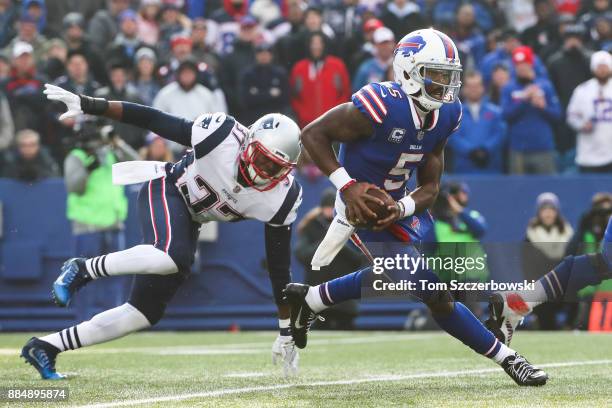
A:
(386, 378)
(240, 348)
(247, 375)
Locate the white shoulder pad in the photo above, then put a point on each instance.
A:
(205, 125)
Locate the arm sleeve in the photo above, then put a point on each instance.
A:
(498, 135)
(278, 255)
(576, 117)
(552, 111)
(475, 222)
(370, 102)
(168, 126)
(511, 110)
(7, 129)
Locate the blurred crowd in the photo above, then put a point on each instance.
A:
(536, 93)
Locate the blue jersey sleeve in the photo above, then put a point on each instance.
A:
(370, 101)
(459, 115)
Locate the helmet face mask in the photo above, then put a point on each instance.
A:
(426, 65)
(440, 82)
(261, 168)
(270, 152)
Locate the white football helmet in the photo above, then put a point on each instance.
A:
(271, 151)
(426, 65)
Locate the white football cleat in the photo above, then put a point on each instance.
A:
(506, 311)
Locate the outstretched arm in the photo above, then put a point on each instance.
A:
(168, 126)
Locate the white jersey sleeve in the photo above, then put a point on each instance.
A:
(207, 125)
(292, 198)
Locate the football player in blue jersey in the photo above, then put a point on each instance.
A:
(507, 309)
(389, 131)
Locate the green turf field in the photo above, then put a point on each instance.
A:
(338, 369)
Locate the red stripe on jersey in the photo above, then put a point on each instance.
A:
(377, 100)
(152, 212)
(166, 215)
(368, 107)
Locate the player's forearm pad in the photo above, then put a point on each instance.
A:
(94, 106)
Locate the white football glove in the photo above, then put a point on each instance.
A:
(284, 350)
(72, 101)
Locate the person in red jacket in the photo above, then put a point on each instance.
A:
(318, 83)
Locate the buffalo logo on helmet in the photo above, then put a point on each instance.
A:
(410, 46)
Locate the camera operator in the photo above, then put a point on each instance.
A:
(96, 207)
(310, 232)
(458, 230)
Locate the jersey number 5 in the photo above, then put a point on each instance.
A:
(400, 170)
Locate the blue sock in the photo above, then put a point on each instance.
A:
(571, 275)
(464, 326)
(343, 288)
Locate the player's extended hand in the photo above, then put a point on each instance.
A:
(72, 101)
(285, 352)
(394, 213)
(355, 198)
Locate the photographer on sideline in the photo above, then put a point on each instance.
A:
(458, 230)
(588, 238)
(96, 207)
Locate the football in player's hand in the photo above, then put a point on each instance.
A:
(380, 210)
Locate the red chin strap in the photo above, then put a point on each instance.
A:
(248, 159)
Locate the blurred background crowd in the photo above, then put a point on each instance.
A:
(523, 61)
(536, 92)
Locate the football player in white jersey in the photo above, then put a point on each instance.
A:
(231, 173)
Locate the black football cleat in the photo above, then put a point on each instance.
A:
(496, 321)
(73, 277)
(302, 315)
(41, 355)
(503, 319)
(522, 372)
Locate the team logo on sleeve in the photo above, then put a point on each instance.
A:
(410, 46)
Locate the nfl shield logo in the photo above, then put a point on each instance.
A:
(420, 135)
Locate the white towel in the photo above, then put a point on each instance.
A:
(338, 233)
(137, 171)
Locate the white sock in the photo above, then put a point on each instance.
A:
(141, 259)
(103, 327)
(537, 296)
(314, 301)
(504, 351)
(531, 298)
(283, 326)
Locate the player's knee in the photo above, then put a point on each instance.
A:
(154, 261)
(566, 264)
(151, 309)
(441, 303)
(182, 260)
